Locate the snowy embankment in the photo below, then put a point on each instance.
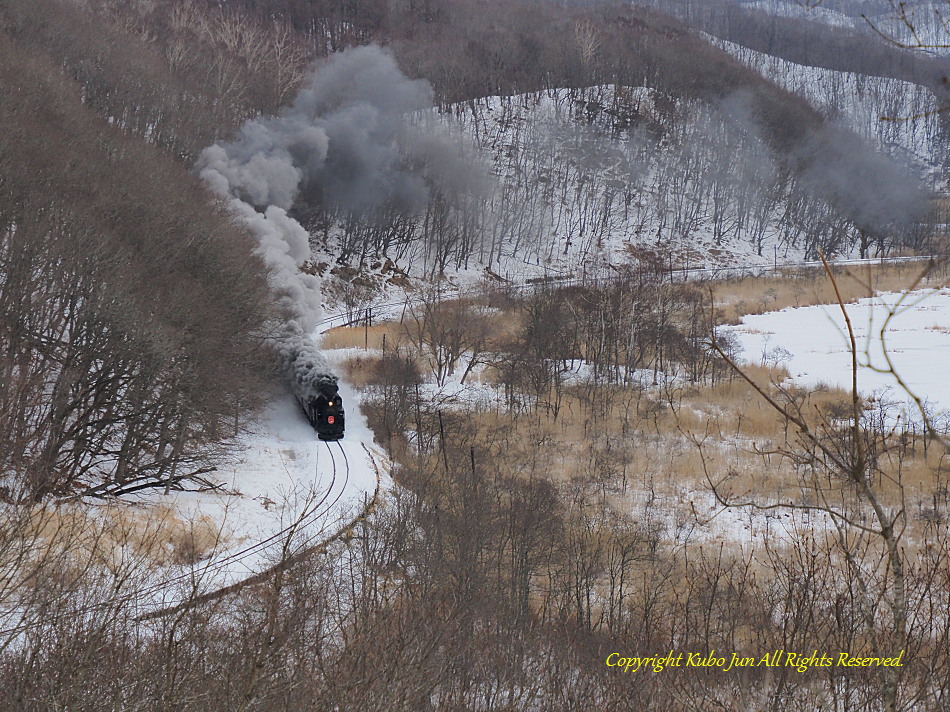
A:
(812, 343)
(282, 486)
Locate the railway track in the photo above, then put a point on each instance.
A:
(327, 499)
(676, 274)
(291, 553)
(301, 552)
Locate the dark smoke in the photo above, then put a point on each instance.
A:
(304, 365)
(345, 144)
(872, 190)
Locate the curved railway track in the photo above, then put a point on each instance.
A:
(566, 280)
(290, 554)
(327, 500)
(289, 559)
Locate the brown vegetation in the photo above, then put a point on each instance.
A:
(523, 546)
(131, 309)
(740, 296)
(526, 542)
(635, 459)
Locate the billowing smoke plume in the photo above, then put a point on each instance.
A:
(305, 367)
(872, 190)
(344, 144)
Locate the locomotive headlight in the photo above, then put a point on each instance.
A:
(331, 402)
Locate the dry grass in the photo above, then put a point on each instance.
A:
(362, 369)
(646, 439)
(153, 535)
(756, 295)
(632, 441)
(502, 325)
(349, 337)
(162, 536)
(920, 471)
(652, 452)
(655, 435)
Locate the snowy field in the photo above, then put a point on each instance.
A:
(811, 342)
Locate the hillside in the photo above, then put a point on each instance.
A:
(874, 39)
(132, 307)
(540, 265)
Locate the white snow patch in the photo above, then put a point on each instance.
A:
(812, 344)
(281, 475)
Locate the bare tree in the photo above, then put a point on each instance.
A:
(843, 465)
(446, 330)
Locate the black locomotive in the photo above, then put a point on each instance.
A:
(314, 384)
(325, 410)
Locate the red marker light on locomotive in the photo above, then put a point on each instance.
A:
(330, 419)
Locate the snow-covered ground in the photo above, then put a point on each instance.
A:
(280, 477)
(596, 176)
(812, 343)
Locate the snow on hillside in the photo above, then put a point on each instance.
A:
(810, 11)
(923, 23)
(811, 342)
(586, 176)
(595, 176)
(897, 118)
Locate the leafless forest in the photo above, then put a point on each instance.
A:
(526, 537)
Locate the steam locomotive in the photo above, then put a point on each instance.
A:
(324, 410)
(314, 384)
